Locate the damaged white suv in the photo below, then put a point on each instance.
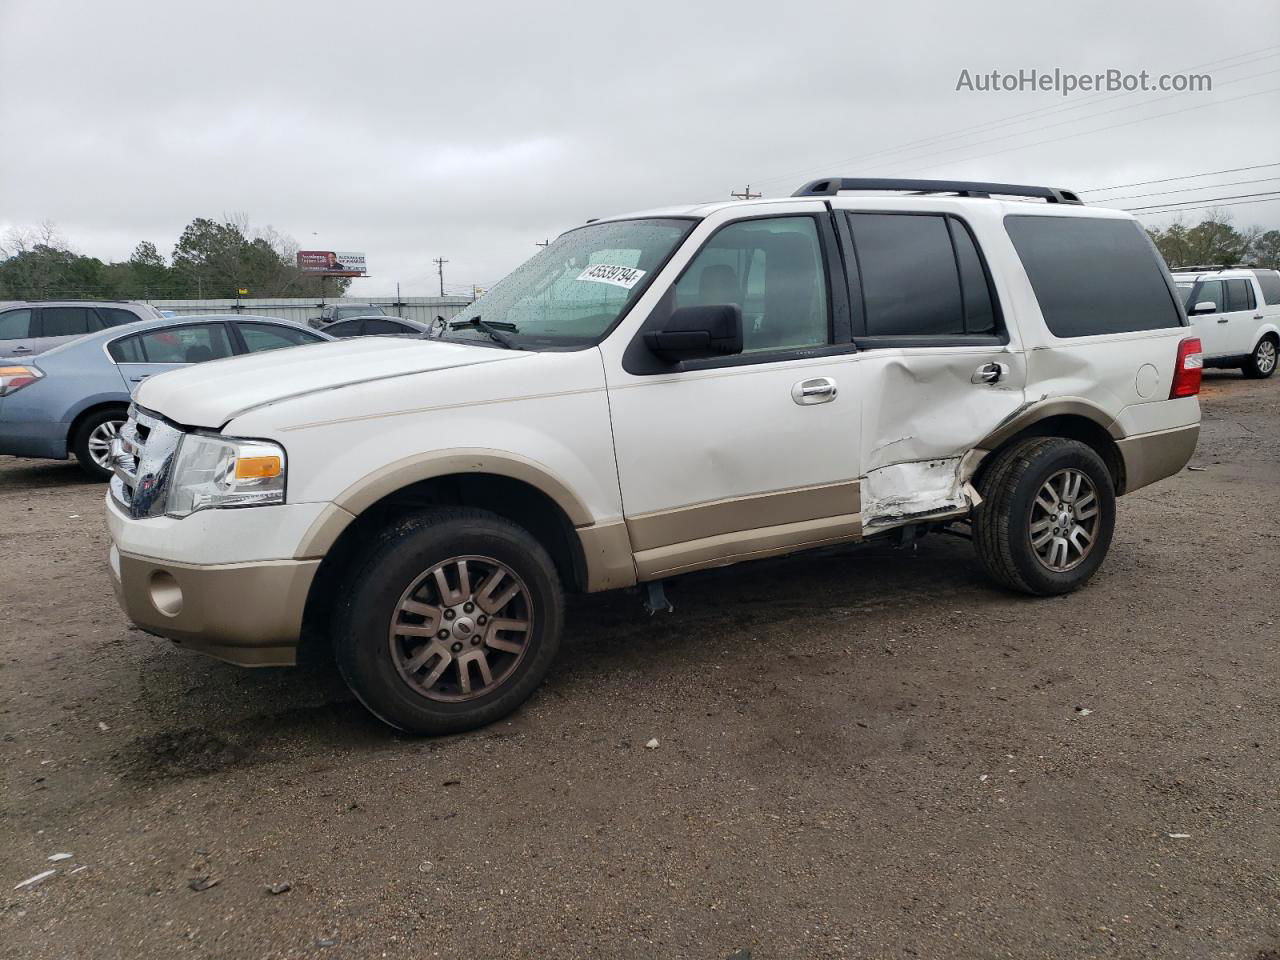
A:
(650, 395)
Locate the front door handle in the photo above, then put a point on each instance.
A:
(18, 350)
(139, 379)
(990, 373)
(817, 390)
(1223, 319)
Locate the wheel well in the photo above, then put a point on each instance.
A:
(1071, 427)
(88, 412)
(517, 501)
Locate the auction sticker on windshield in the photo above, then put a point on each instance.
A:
(626, 277)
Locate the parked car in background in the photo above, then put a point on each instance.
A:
(344, 311)
(377, 326)
(654, 394)
(30, 328)
(74, 397)
(1237, 314)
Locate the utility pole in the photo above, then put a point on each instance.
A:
(745, 194)
(440, 262)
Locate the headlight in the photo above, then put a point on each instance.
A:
(218, 472)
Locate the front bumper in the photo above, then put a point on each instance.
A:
(248, 614)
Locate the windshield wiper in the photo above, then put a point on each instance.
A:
(494, 331)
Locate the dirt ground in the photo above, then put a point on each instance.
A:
(863, 753)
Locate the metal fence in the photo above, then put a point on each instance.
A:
(302, 309)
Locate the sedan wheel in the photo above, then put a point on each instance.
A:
(100, 442)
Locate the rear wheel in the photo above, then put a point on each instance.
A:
(1047, 516)
(451, 621)
(92, 441)
(1262, 362)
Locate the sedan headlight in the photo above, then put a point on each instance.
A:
(219, 472)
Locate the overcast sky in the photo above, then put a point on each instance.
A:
(411, 130)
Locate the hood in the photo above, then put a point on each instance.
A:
(210, 394)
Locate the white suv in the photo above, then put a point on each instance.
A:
(655, 394)
(1237, 314)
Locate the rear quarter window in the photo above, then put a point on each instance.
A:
(1269, 281)
(1094, 276)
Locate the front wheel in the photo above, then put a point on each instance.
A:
(1047, 516)
(451, 621)
(1262, 362)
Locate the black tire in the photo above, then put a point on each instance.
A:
(1262, 362)
(1002, 522)
(85, 431)
(409, 548)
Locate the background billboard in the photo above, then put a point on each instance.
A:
(330, 264)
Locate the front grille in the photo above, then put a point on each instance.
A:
(141, 459)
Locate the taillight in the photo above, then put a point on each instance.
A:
(13, 379)
(1186, 372)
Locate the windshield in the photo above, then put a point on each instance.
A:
(572, 293)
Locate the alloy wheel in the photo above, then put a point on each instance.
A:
(461, 628)
(100, 442)
(1265, 356)
(1064, 520)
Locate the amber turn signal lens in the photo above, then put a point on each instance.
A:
(257, 468)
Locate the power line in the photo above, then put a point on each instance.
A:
(1207, 206)
(1188, 176)
(1089, 101)
(1083, 133)
(1204, 186)
(1209, 201)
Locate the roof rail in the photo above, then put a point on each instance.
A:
(1211, 267)
(830, 186)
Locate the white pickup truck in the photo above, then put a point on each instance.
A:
(655, 394)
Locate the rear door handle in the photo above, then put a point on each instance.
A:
(990, 373)
(1223, 319)
(1257, 316)
(817, 390)
(17, 350)
(139, 379)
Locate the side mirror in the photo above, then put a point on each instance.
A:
(1204, 306)
(694, 333)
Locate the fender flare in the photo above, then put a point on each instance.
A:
(386, 480)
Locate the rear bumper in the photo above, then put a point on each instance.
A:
(33, 438)
(248, 614)
(1149, 457)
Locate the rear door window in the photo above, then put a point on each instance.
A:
(1239, 295)
(68, 321)
(920, 275)
(127, 350)
(192, 344)
(1094, 275)
(15, 325)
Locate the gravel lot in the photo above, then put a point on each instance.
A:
(863, 753)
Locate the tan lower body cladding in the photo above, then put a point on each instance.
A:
(725, 531)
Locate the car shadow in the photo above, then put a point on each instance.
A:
(39, 474)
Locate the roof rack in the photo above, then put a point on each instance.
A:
(830, 186)
(1210, 267)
